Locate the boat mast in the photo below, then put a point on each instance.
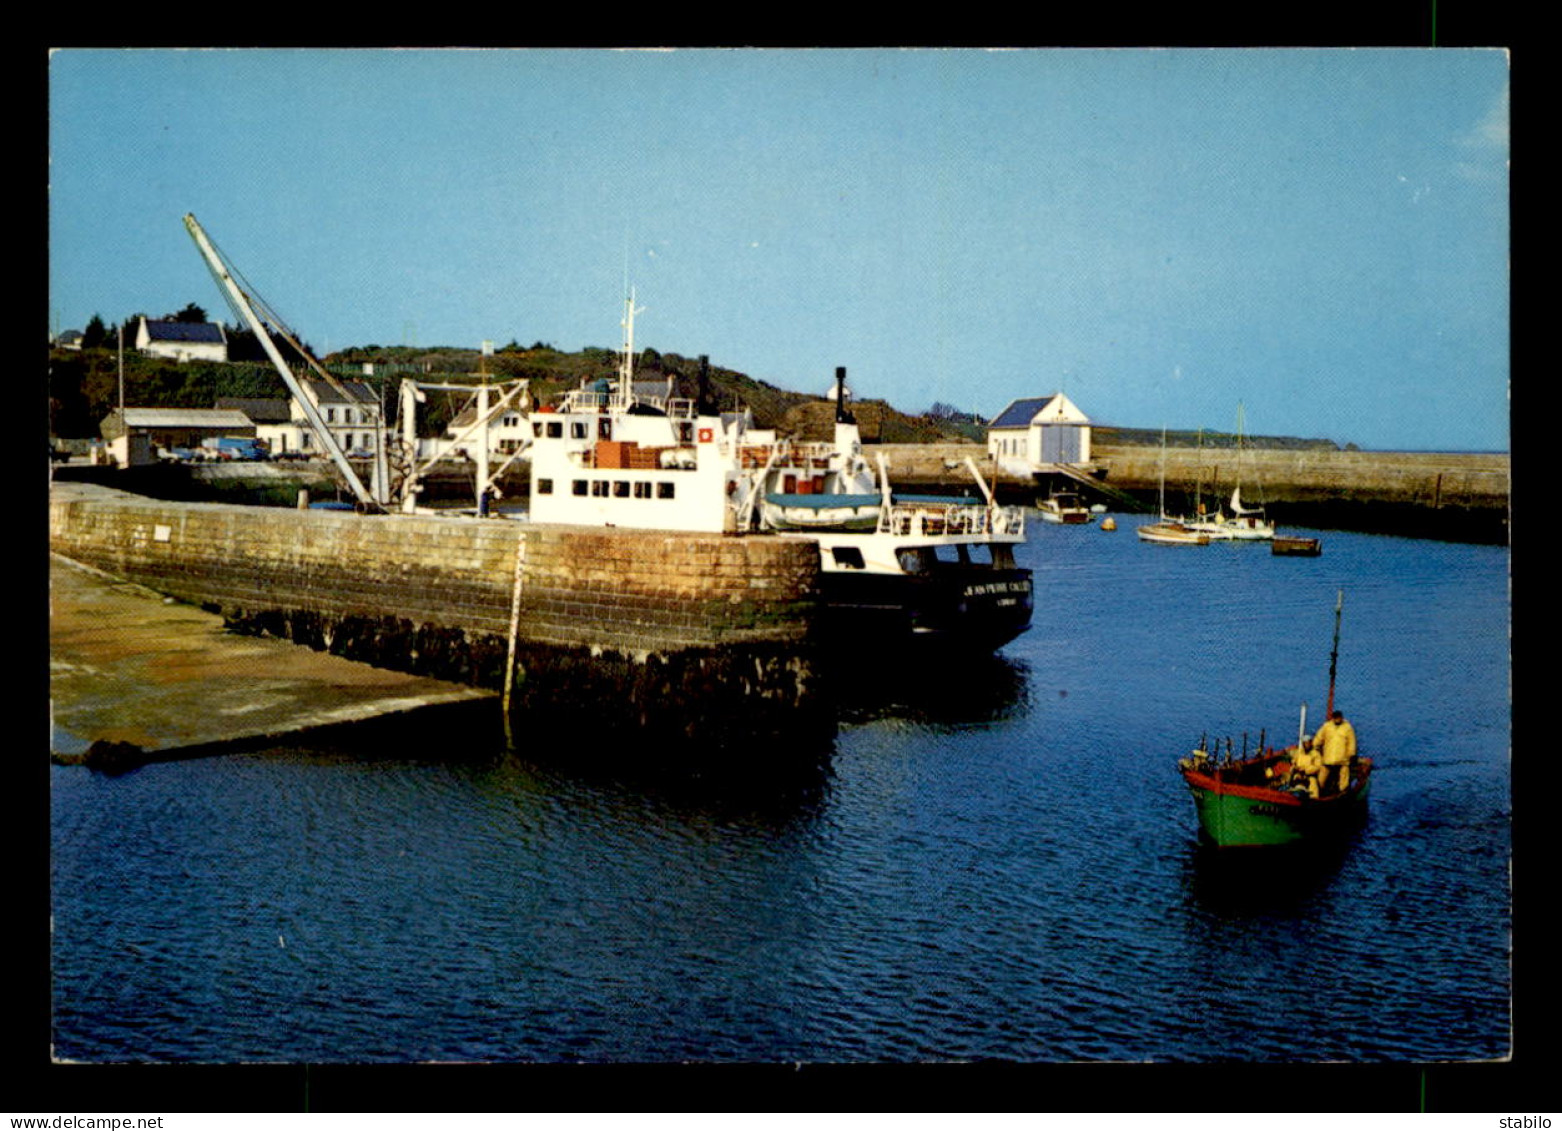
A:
(622, 395)
(1334, 656)
(1163, 473)
(1198, 480)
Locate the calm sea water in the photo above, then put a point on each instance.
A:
(993, 862)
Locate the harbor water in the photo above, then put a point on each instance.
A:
(991, 860)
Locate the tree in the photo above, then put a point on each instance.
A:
(95, 336)
(191, 313)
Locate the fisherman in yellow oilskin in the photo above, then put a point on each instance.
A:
(1336, 741)
(1308, 765)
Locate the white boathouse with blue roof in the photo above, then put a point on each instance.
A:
(1035, 432)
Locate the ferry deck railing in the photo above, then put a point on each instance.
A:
(953, 518)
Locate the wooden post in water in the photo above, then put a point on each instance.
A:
(515, 623)
(1334, 655)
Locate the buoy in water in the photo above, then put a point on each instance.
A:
(1109, 523)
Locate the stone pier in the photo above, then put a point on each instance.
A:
(698, 638)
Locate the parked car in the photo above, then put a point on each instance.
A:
(240, 448)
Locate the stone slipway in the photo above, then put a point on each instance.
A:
(129, 668)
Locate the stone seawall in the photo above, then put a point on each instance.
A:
(697, 635)
(1318, 475)
(1432, 494)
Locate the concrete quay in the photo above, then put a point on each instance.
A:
(136, 677)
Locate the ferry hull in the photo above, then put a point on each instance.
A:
(979, 608)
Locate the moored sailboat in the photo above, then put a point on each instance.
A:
(1238, 521)
(1170, 531)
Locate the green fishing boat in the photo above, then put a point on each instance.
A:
(1266, 799)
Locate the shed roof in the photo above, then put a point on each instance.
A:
(262, 410)
(1020, 413)
(185, 418)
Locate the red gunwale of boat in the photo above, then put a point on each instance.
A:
(1216, 783)
(1250, 792)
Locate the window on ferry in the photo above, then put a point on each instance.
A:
(642, 490)
(555, 429)
(577, 429)
(917, 560)
(848, 557)
(604, 427)
(599, 488)
(686, 431)
(511, 420)
(621, 489)
(544, 486)
(578, 486)
(664, 490)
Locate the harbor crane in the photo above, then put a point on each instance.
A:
(245, 303)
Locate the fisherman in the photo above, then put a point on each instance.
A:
(1336, 739)
(1308, 765)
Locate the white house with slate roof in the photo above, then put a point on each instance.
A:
(354, 420)
(182, 341)
(1039, 430)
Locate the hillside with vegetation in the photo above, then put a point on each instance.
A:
(1104, 436)
(84, 386)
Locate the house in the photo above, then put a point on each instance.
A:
(353, 419)
(1039, 430)
(507, 432)
(70, 340)
(182, 341)
(134, 435)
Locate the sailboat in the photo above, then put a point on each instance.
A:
(1170, 531)
(1260, 800)
(1237, 522)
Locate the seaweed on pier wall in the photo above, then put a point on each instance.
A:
(388, 642)
(738, 700)
(700, 699)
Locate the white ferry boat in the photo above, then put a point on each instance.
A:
(925, 567)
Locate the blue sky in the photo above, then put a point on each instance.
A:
(1321, 235)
